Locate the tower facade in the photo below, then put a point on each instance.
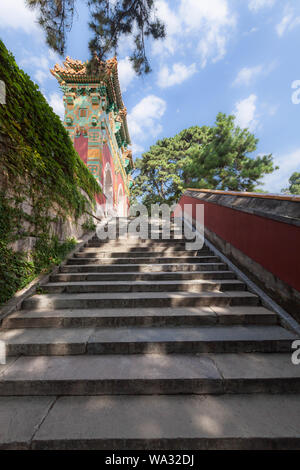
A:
(95, 119)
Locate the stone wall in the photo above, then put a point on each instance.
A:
(61, 225)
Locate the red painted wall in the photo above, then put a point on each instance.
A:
(274, 245)
(117, 178)
(81, 146)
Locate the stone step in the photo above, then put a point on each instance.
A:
(151, 250)
(139, 254)
(144, 259)
(137, 243)
(151, 374)
(121, 232)
(141, 276)
(155, 268)
(139, 300)
(138, 340)
(194, 285)
(164, 242)
(146, 340)
(147, 228)
(157, 236)
(90, 318)
(128, 422)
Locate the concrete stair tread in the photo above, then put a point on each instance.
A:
(139, 317)
(126, 249)
(143, 374)
(46, 335)
(176, 237)
(259, 421)
(149, 253)
(206, 333)
(135, 275)
(148, 334)
(139, 295)
(151, 366)
(113, 367)
(178, 298)
(146, 283)
(156, 244)
(125, 312)
(143, 260)
(162, 265)
(146, 273)
(185, 255)
(42, 300)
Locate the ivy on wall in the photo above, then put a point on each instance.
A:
(42, 180)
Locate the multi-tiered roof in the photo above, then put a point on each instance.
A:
(105, 72)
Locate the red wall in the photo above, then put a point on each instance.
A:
(274, 245)
(81, 146)
(117, 178)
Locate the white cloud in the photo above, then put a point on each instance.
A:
(39, 66)
(284, 23)
(272, 109)
(41, 76)
(15, 15)
(178, 74)
(196, 13)
(144, 117)
(137, 149)
(251, 31)
(165, 47)
(289, 21)
(171, 20)
(256, 5)
(40, 62)
(169, 45)
(245, 112)
(213, 20)
(56, 102)
(248, 74)
(288, 164)
(203, 26)
(126, 73)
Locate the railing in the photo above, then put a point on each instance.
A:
(258, 232)
(280, 197)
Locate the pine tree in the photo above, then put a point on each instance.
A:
(294, 184)
(110, 21)
(215, 157)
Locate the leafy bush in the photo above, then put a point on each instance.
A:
(89, 225)
(42, 180)
(37, 144)
(16, 271)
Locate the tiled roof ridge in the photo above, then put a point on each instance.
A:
(74, 69)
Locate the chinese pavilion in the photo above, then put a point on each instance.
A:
(95, 119)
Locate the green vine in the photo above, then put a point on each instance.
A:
(43, 181)
(89, 225)
(17, 270)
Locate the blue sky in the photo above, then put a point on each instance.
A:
(234, 56)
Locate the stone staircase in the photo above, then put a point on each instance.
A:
(142, 345)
